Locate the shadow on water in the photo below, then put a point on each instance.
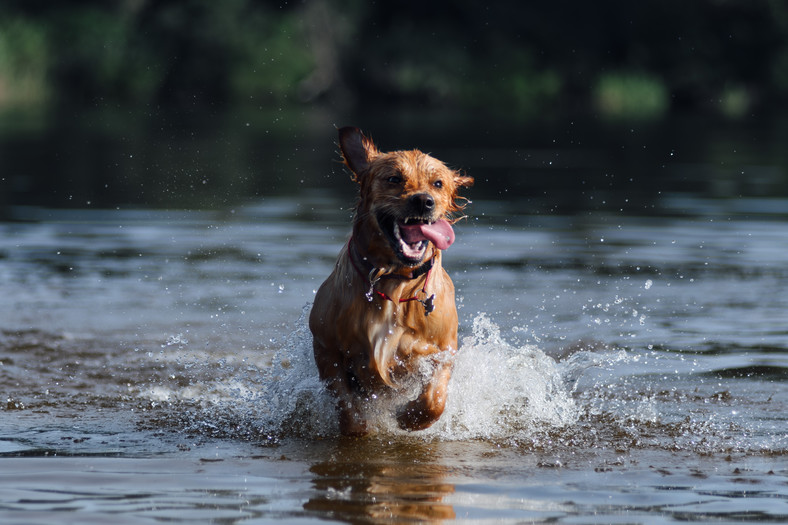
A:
(108, 159)
(112, 158)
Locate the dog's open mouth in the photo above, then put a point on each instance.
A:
(411, 236)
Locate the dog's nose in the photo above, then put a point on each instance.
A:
(423, 202)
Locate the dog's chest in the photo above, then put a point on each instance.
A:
(392, 341)
(384, 336)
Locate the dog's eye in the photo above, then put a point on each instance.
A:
(395, 179)
(438, 184)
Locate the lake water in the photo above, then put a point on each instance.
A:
(622, 294)
(155, 366)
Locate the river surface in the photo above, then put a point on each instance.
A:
(155, 366)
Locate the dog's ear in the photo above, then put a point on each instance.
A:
(462, 180)
(357, 150)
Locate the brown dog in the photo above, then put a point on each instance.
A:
(389, 304)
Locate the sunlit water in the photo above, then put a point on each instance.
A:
(157, 366)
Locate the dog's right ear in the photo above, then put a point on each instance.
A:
(357, 150)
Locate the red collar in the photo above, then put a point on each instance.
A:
(425, 268)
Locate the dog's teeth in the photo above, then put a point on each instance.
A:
(415, 220)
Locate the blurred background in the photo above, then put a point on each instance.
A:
(562, 107)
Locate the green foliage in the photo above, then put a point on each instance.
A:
(630, 95)
(516, 86)
(95, 57)
(621, 58)
(24, 60)
(198, 51)
(735, 101)
(274, 57)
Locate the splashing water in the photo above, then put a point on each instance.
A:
(497, 391)
(500, 391)
(294, 401)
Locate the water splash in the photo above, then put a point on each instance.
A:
(293, 401)
(498, 391)
(503, 392)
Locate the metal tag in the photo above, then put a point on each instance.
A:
(429, 304)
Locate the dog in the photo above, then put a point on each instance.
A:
(388, 307)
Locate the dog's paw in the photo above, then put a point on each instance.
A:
(418, 415)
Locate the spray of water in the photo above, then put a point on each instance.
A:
(498, 391)
(501, 391)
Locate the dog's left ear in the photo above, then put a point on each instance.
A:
(462, 180)
(357, 150)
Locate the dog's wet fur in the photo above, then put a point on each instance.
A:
(389, 304)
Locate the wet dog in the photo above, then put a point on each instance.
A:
(387, 312)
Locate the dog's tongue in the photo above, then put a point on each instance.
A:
(440, 233)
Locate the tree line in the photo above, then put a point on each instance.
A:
(615, 57)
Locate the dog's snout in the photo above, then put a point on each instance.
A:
(422, 202)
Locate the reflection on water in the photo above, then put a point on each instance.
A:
(108, 159)
(377, 479)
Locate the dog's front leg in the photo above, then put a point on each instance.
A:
(351, 418)
(351, 421)
(342, 384)
(428, 407)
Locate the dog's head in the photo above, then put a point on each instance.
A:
(407, 199)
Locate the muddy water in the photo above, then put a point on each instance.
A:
(155, 366)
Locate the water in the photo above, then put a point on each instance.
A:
(156, 366)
